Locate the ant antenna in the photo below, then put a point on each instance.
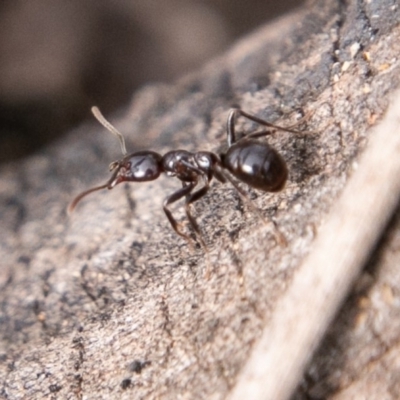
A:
(78, 198)
(100, 117)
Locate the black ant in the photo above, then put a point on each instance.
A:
(253, 162)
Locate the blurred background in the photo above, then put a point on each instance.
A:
(58, 58)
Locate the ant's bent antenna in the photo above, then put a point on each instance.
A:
(78, 198)
(99, 116)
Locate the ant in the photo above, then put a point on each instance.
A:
(253, 162)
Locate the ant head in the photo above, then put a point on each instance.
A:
(137, 167)
(142, 166)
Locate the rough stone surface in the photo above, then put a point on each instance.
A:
(110, 303)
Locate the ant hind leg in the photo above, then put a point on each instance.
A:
(279, 236)
(234, 113)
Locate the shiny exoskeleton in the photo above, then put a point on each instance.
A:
(251, 161)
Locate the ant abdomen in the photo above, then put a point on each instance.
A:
(257, 164)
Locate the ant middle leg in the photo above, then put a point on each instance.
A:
(184, 191)
(191, 198)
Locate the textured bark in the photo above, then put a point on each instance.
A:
(110, 303)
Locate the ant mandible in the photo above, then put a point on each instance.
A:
(253, 162)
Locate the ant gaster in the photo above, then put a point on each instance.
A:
(253, 162)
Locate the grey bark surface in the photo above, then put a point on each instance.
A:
(111, 303)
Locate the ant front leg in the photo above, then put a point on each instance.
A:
(172, 199)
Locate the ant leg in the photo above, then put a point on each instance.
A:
(280, 238)
(230, 126)
(257, 134)
(237, 112)
(242, 193)
(305, 118)
(191, 198)
(172, 199)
